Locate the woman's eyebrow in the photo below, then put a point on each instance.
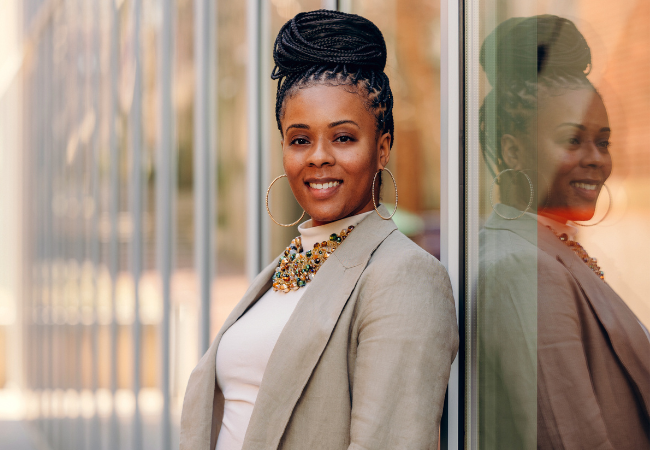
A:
(575, 125)
(341, 122)
(303, 126)
(582, 127)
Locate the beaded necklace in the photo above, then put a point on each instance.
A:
(579, 250)
(297, 268)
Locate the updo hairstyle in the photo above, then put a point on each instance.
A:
(336, 49)
(527, 60)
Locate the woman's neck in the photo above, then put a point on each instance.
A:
(368, 207)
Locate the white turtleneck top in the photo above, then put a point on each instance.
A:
(246, 346)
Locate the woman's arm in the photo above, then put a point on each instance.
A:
(407, 340)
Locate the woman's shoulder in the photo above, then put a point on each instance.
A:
(403, 280)
(399, 260)
(397, 249)
(506, 249)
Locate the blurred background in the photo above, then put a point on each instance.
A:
(137, 140)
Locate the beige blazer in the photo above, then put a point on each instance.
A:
(563, 362)
(362, 363)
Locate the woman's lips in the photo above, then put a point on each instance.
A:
(323, 190)
(588, 190)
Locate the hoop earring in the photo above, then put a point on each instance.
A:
(548, 187)
(373, 194)
(269, 211)
(530, 202)
(609, 207)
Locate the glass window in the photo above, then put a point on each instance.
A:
(557, 224)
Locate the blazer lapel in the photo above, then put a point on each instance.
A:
(199, 402)
(628, 339)
(307, 332)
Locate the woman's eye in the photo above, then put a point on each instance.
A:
(300, 141)
(574, 141)
(344, 139)
(604, 144)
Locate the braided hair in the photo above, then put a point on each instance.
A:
(337, 49)
(527, 60)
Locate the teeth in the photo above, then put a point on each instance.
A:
(323, 185)
(589, 187)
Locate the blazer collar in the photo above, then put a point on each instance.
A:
(308, 330)
(628, 339)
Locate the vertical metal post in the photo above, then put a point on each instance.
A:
(59, 187)
(204, 168)
(77, 189)
(472, 161)
(37, 199)
(452, 236)
(164, 203)
(114, 199)
(136, 214)
(94, 30)
(254, 175)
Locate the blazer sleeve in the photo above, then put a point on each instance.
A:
(407, 338)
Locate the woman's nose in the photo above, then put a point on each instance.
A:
(594, 156)
(320, 154)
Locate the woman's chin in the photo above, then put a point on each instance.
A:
(323, 216)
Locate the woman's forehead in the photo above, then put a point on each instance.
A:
(579, 106)
(326, 104)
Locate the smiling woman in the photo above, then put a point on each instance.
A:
(321, 352)
(332, 153)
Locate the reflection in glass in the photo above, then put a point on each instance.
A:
(563, 361)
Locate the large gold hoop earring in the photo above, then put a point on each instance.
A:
(609, 207)
(530, 201)
(548, 187)
(373, 194)
(269, 211)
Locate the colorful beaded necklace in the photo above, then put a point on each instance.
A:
(296, 269)
(579, 250)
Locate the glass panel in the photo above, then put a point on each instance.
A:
(557, 224)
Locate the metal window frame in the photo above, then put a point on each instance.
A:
(453, 219)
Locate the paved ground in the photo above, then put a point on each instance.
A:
(14, 435)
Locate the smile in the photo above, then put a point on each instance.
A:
(587, 186)
(331, 184)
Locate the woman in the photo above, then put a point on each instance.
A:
(564, 363)
(345, 340)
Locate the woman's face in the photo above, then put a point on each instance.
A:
(331, 151)
(573, 159)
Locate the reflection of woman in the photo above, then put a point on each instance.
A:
(564, 363)
(346, 339)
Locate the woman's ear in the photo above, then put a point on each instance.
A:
(383, 150)
(512, 152)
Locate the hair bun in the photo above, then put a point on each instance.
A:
(525, 48)
(328, 38)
